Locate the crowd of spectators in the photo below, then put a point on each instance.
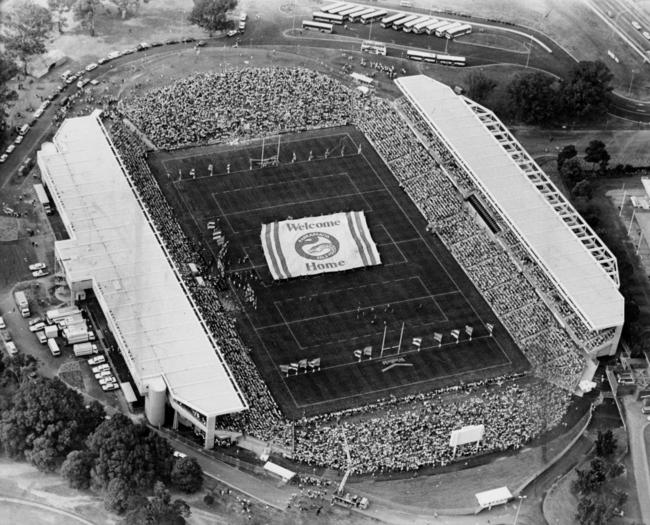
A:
(393, 434)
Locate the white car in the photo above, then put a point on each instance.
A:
(94, 81)
(97, 360)
(2, 323)
(42, 338)
(40, 273)
(243, 17)
(38, 112)
(37, 266)
(82, 82)
(103, 373)
(37, 327)
(11, 148)
(11, 348)
(19, 139)
(231, 33)
(3, 157)
(107, 380)
(114, 54)
(110, 386)
(91, 66)
(100, 368)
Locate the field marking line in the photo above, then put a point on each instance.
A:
(285, 182)
(404, 259)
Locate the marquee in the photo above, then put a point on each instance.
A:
(314, 245)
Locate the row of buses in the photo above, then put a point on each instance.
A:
(340, 13)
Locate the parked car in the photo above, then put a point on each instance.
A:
(232, 32)
(11, 348)
(18, 140)
(10, 148)
(143, 45)
(2, 323)
(37, 327)
(103, 373)
(42, 338)
(37, 266)
(113, 54)
(91, 66)
(100, 368)
(171, 41)
(40, 273)
(3, 157)
(200, 43)
(103, 60)
(107, 380)
(110, 386)
(97, 360)
(156, 44)
(4, 334)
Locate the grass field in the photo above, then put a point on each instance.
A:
(418, 285)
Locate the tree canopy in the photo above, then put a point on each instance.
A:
(567, 152)
(596, 153)
(479, 86)
(534, 98)
(132, 452)
(211, 15)
(85, 12)
(76, 469)
(187, 475)
(159, 509)
(25, 29)
(586, 93)
(46, 421)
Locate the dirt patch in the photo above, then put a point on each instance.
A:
(70, 373)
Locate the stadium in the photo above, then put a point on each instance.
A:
(347, 278)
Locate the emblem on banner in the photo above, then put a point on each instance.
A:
(317, 246)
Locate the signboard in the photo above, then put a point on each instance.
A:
(468, 434)
(314, 245)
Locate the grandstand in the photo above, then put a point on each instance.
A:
(574, 262)
(114, 250)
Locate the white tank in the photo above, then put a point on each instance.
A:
(154, 404)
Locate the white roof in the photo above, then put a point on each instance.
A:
(566, 258)
(113, 248)
(279, 470)
(491, 497)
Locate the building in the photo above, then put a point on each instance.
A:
(114, 250)
(581, 269)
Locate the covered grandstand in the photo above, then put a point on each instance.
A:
(115, 250)
(573, 258)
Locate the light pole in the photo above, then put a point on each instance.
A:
(521, 498)
(530, 47)
(629, 90)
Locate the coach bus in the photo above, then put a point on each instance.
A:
(356, 17)
(318, 26)
(351, 11)
(408, 27)
(337, 10)
(449, 60)
(328, 18)
(374, 48)
(421, 56)
(421, 27)
(42, 198)
(440, 31)
(388, 21)
(399, 24)
(465, 29)
(378, 14)
(432, 26)
(328, 8)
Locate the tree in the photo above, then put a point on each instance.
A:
(19, 367)
(596, 153)
(586, 93)
(117, 495)
(58, 8)
(605, 443)
(572, 172)
(534, 97)
(85, 11)
(160, 509)
(25, 30)
(8, 70)
(187, 475)
(126, 6)
(211, 15)
(76, 469)
(583, 189)
(479, 86)
(122, 449)
(567, 152)
(589, 481)
(46, 421)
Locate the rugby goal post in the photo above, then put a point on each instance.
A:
(466, 434)
(263, 161)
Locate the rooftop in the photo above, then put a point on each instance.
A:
(114, 248)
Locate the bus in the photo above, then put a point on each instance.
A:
(421, 56)
(42, 198)
(388, 21)
(374, 16)
(448, 60)
(408, 27)
(375, 48)
(318, 26)
(337, 10)
(440, 32)
(464, 29)
(432, 26)
(422, 26)
(328, 18)
(356, 17)
(351, 10)
(399, 24)
(328, 8)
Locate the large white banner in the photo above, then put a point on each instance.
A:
(313, 245)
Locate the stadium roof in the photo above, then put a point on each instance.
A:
(113, 247)
(573, 256)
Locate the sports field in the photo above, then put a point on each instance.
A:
(418, 286)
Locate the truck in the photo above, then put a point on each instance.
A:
(54, 347)
(73, 336)
(22, 303)
(52, 316)
(83, 349)
(51, 331)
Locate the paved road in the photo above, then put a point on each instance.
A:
(636, 422)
